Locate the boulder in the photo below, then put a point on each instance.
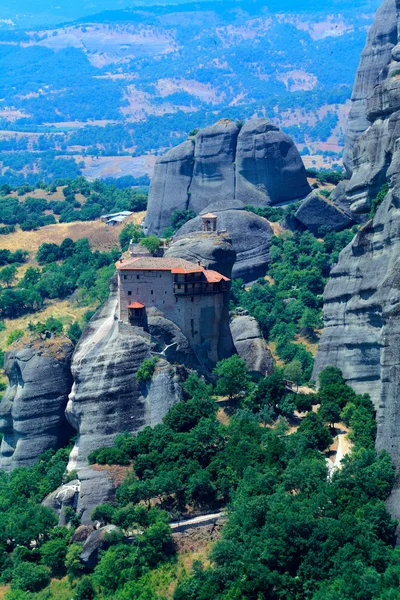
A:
(251, 346)
(213, 251)
(82, 533)
(316, 212)
(96, 542)
(269, 168)
(226, 166)
(63, 496)
(32, 409)
(250, 236)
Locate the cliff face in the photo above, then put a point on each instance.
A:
(256, 164)
(362, 318)
(106, 397)
(373, 123)
(32, 409)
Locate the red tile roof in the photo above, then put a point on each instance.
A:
(136, 305)
(177, 266)
(209, 216)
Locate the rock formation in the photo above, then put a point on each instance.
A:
(250, 236)
(373, 123)
(251, 346)
(257, 164)
(316, 212)
(32, 409)
(213, 251)
(362, 318)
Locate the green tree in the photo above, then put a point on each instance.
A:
(14, 336)
(30, 577)
(8, 274)
(146, 369)
(233, 377)
(294, 372)
(53, 554)
(85, 590)
(74, 332)
(152, 243)
(73, 563)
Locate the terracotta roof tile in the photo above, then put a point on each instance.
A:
(136, 305)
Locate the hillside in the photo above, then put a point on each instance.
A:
(102, 94)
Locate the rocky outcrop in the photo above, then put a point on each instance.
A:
(214, 251)
(32, 416)
(96, 542)
(106, 397)
(251, 346)
(65, 495)
(316, 212)
(269, 169)
(250, 236)
(256, 164)
(373, 122)
(362, 318)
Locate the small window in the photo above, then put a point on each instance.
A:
(152, 292)
(137, 276)
(166, 292)
(192, 298)
(125, 277)
(129, 293)
(176, 298)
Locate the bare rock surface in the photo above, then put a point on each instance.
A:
(251, 346)
(373, 125)
(32, 416)
(250, 236)
(96, 542)
(65, 495)
(362, 319)
(214, 251)
(255, 164)
(316, 212)
(269, 169)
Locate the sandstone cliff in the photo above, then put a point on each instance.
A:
(32, 409)
(256, 164)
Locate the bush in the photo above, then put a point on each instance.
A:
(14, 336)
(152, 243)
(146, 370)
(30, 577)
(85, 590)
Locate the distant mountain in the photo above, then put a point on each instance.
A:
(153, 73)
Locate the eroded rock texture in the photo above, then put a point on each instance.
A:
(362, 318)
(251, 346)
(316, 212)
(257, 164)
(250, 236)
(107, 399)
(373, 123)
(32, 416)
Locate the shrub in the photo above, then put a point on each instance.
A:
(146, 370)
(14, 336)
(30, 577)
(85, 590)
(152, 243)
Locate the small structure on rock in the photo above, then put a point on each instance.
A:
(209, 222)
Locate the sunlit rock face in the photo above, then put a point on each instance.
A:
(374, 121)
(32, 418)
(254, 164)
